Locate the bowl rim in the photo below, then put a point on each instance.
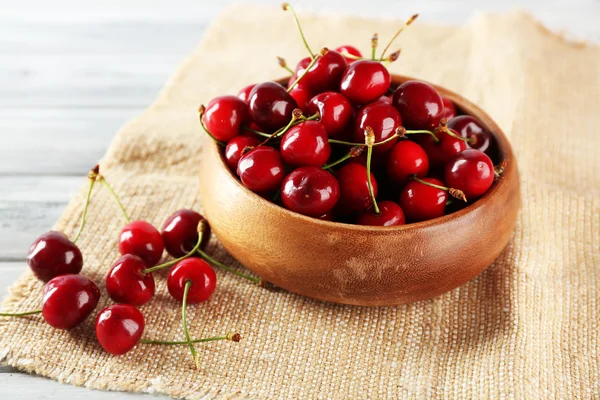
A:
(504, 149)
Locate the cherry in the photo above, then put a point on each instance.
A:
(261, 169)
(470, 171)
(142, 239)
(470, 127)
(310, 191)
(449, 109)
(270, 105)
(235, 147)
(224, 117)
(53, 254)
(420, 105)
(244, 94)
(354, 189)
(335, 111)
(302, 96)
(390, 214)
(305, 144)
(180, 232)
(127, 283)
(199, 273)
(353, 51)
(68, 300)
(119, 328)
(325, 74)
(383, 118)
(422, 202)
(365, 81)
(406, 159)
(440, 152)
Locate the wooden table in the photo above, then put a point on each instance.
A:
(72, 72)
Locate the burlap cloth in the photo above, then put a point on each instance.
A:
(525, 328)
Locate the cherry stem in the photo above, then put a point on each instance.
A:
(22, 314)
(234, 337)
(444, 128)
(189, 254)
(351, 56)
(92, 177)
(287, 7)
(369, 141)
(201, 110)
(407, 23)
(374, 42)
(453, 192)
(354, 152)
(222, 266)
(296, 115)
(188, 339)
(103, 181)
(263, 134)
(284, 65)
(394, 136)
(323, 51)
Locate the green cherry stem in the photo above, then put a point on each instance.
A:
(311, 118)
(287, 7)
(263, 134)
(284, 65)
(234, 337)
(95, 174)
(21, 314)
(406, 24)
(222, 266)
(201, 111)
(188, 339)
(456, 193)
(443, 127)
(354, 152)
(323, 51)
(374, 42)
(296, 114)
(92, 178)
(369, 141)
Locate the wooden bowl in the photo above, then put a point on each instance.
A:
(362, 265)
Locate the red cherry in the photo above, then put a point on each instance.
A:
(271, 106)
(224, 117)
(383, 118)
(335, 111)
(406, 159)
(180, 232)
(439, 153)
(354, 189)
(420, 105)
(68, 300)
(350, 50)
(119, 328)
(470, 127)
(390, 214)
(126, 283)
(421, 202)
(142, 239)
(244, 94)
(197, 271)
(365, 81)
(325, 74)
(261, 169)
(470, 171)
(449, 109)
(305, 144)
(235, 147)
(53, 254)
(310, 191)
(302, 96)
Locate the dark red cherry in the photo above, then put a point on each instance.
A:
(335, 111)
(244, 94)
(305, 144)
(180, 232)
(235, 147)
(53, 254)
(302, 96)
(420, 105)
(354, 189)
(261, 169)
(439, 153)
(471, 171)
(390, 214)
(126, 283)
(68, 300)
(449, 109)
(406, 159)
(365, 81)
(470, 127)
(310, 191)
(119, 328)
(383, 118)
(421, 202)
(271, 106)
(224, 117)
(350, 50)
(197, 271)
(142, 239)
(325, 74)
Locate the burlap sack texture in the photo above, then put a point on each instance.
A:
(525, 328)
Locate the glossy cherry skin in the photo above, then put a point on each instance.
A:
(119, 328)
(439, 153)
(224, 117)
(196, 270)
(354, 189)
(325, 74)
(383, 118)
(180, 232)
(142, 239)
(335, 111)
(470, 127)
(244, 94)
(53, 254)
(271, 106)
(471, 171)
(302, 95)
(350, 50)
(310, 191)
(406, 159)
(420, 105)
(390, 214)
(449, 109)
(305, 144)
(421, 202)
(68, 300)
(261, 169)
(235, 147)
(365, 81)
(125, 282)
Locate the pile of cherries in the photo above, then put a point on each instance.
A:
(337, 141)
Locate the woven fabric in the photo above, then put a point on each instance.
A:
(525, 328)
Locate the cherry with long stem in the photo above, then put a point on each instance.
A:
(92, 178)
(201, 111)
(232, 336)
(456, 193)
(400, 132)
(188, 339)
(443, 127)
(406, 24)
(100, 178)
(370, 141)
(321, 53)
(281, 131)
(21, 314)
(288, 7)
(354, 152)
